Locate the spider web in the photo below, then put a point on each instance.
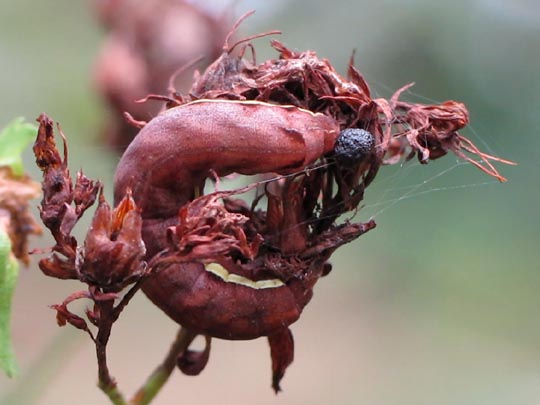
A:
(410, 179)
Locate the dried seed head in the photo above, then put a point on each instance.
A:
(113, 249)
(353, 145)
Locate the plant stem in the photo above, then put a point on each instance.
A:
(161, 374)
(112, 392)
(108, 314)
(106, 382)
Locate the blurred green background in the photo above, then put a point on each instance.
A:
(437, 305)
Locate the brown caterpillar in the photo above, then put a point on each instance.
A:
(166, 167)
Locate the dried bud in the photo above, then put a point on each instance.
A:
(113, 249)
(62, 204)
(57, 185)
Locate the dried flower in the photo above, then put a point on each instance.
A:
(233, 270)
(111, 257)
(63, 203)
(147, 42)
(218, 265)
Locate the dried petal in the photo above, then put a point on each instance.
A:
(65, 316)
(59, 267)
(84, 193)
(207, 230)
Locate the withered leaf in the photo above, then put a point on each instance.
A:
(282, 353)
(15, 194)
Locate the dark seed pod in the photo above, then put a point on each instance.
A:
(353, 145)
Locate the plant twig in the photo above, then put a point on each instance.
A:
(161, 374)
(106, 383)
(108, 314)
(112, 392)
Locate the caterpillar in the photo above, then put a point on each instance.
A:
(166, 166)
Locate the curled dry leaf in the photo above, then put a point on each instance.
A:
(65, 316)
(16, 219)
(17, 188)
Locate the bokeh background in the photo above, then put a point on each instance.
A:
(439, 304)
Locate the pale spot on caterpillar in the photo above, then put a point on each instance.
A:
(220, 271)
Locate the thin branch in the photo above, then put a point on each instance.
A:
(113, 393)
(126, 298)
(161, 374)
(106, 383)
(108, 314)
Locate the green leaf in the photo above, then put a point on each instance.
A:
(14, 138)
(9, 270)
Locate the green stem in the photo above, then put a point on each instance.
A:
(161, 374)
(111, 390)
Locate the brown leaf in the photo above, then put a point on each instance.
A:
(15, 194)
(65, 316)
(59, 267)
(282, 353)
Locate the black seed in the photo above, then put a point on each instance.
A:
(353, 145)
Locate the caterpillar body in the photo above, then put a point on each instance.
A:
(166, 166)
